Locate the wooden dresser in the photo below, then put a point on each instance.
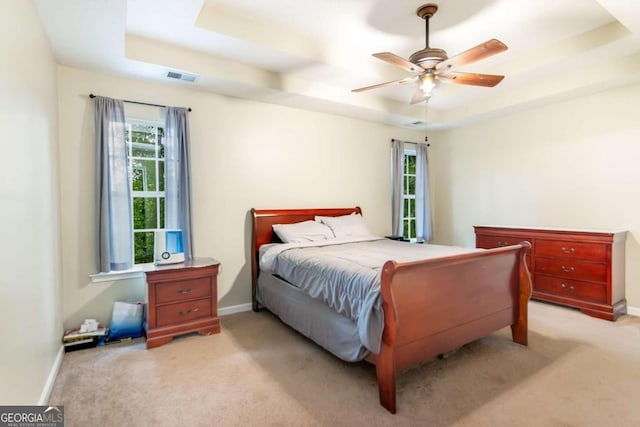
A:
(182, 298)
(576, 268)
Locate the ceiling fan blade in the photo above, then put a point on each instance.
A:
(406, 79)
(474, 79)
(398, 61)
(482, 51)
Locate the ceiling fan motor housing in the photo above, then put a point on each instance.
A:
(428, 55)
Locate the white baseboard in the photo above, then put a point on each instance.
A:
(225, 311)
(51, 379)
(634, 311)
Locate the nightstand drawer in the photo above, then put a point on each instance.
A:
(589, 251)
(172, 314)
(572, 269)
(571, 288)
(183, 290)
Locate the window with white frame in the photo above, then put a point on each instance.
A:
(409, 195)
(146, 177)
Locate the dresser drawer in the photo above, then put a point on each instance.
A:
(172, 314)
(489, 242)
(183, 290)
(572, 269)
(558, 248)
(571, 288)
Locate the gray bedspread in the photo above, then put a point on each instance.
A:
(345, 274)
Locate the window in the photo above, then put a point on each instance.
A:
(409, 194)
(136, 159)
(146, 175)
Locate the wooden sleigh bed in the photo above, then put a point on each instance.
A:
(486, 291)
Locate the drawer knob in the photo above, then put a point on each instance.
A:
(566, 269)
(184, 291)
(568, 251)
(505, 243)
(571, 287)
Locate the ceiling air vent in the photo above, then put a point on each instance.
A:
(186, 77)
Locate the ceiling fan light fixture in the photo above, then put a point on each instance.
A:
(427, 84)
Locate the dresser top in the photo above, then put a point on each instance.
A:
(617, 235)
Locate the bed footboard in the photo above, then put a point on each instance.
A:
(437, 305)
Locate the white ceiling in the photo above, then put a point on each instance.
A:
(310, 53)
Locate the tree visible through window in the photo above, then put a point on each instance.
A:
(146, 176)
(409, 196)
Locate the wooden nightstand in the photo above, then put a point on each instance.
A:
(182, 298)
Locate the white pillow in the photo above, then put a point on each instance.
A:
(346, 226)
(306, 231)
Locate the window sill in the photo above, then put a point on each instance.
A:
(133, 273)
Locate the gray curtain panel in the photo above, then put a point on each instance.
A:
(397, 187)
(178, 176)
(115, 228)
(424, 228)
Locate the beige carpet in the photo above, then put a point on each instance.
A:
(577, 371)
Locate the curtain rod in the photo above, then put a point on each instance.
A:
(141, 103)
(425, 140)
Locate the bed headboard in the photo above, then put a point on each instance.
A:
(262, 233)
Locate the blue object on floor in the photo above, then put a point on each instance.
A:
(126, 321)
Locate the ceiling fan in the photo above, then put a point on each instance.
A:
(433, 65)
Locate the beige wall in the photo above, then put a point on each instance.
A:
(244, 154)
(30, 287)
(574, 164)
